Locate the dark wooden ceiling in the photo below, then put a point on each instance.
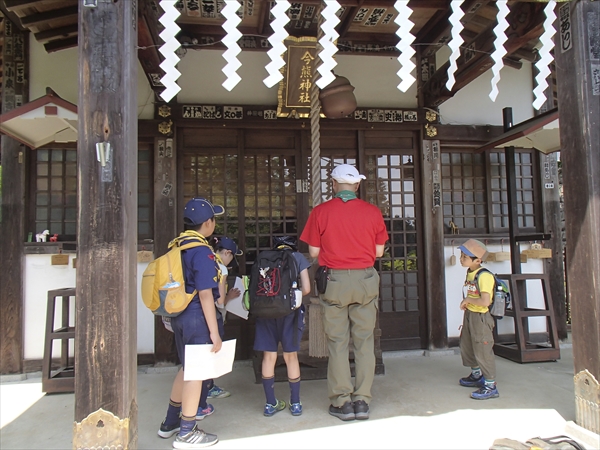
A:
(366, 27)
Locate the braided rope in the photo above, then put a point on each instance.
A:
(317, 341)
(315, 128)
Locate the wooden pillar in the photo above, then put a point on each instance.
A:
(554, 266)
(433, 231)
(166, 215)
(15, 92)
(106, 291)
(578, 67)
(552, 217)
(511, 193)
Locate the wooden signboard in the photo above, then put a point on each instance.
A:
(295, 88)
(538, 253)
(145, 256)
(60, 260)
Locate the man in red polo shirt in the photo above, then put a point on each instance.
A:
(347, 234)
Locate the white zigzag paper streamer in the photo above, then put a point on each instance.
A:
(543, 64)
(328, 47)
(456, 41)
(278, 24)
(499, 50)
(169, 79)
(404, 46)
(230, 40)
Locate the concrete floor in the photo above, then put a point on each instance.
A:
(417, 404)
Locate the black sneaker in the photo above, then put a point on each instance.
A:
(166, 431)
(361, 410)
(471, 381)
(344, 412)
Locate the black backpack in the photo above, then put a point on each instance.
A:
(273, 280)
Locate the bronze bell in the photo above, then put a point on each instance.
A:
(337, 99)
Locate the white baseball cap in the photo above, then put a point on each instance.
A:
(345, 173)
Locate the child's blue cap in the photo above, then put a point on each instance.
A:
(199, 210)
(229, 244)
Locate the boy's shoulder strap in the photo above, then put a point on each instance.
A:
(189, 239)
(479, 272)
(483, 270)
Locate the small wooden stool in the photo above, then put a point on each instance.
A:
(63, 379)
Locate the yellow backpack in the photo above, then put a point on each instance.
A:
(163, 285)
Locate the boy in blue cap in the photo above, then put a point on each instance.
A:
(287, 330)
(197, 324)
(476, 336)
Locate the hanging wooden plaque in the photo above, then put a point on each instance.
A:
(60, 260)
(145, 256)
(296, 86)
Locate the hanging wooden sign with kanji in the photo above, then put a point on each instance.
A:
(294, 89)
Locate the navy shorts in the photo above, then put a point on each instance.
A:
(269, 332)
(190, 327)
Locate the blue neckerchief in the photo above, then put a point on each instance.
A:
(345, 195)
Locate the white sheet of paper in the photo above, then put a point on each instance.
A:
(236, 305)
(202, 364)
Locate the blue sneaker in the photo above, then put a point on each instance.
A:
(296, 409)
(202, 413)
(272, 409)
(217, 392)
(485, 392)
(471, 381)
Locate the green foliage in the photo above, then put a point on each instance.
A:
(400, 264)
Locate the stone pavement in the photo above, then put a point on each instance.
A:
(417, 404)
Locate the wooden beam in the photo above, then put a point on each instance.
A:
(438, 29)
(15, 5)
(52, 33)
(576, 45)
(413, 4)
(466, 136)
(263, 20)
(61, 44)
(527, 55)
(9, 15)
(147, 50)
(476, 58)
(48, 16)
(509, 62)
(105, 335)
(344, 26)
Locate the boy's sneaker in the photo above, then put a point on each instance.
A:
(296, 409)
(485, 392)
(195, 439)
(166, 431)
(361, 410)
(344, 412)
(217, 392)
(202, 413)
(272, 409)
(471, 381)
